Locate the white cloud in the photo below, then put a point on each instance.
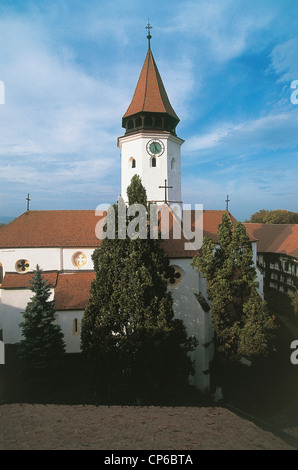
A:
(211, 22)
(274, 131)
(285, 60)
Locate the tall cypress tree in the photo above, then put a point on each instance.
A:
(240, 318)
(129, 332)
(42, 346)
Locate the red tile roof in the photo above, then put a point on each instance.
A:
(21, 281)
(150, 94)
(51, 229)
(275, 238)
(73, 289)
(75, 229)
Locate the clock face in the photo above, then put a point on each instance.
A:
(155, 147)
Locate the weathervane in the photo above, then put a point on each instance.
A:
(148, 35)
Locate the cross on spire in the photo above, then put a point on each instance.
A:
(148, 27)
(28, 202)
(166, 187)
(227, 201)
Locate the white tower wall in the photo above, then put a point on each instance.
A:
(168, 165)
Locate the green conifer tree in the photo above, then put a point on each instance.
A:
(240, 318)
(129, 332)
(42, 346)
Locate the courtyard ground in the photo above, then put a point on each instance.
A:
(117, 428)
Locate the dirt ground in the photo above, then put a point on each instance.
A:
(77, 427)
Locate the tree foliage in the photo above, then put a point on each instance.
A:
(278, 216)
(42, 346)
(240, 318)
(129, 333)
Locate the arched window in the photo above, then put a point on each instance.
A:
(75, 327)
(173, 164)
(1, 274)
(132, 163)
(153, 162)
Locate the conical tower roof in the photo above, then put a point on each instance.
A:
(150, 97)
(150, 94)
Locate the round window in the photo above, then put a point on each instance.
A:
(79, 259)
(22, 266)
(173, 276)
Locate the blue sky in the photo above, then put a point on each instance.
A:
(70, 68)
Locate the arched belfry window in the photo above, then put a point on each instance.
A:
(173, 164)
(153, 162)
(148, 121)
(158, 121)
(130, 124)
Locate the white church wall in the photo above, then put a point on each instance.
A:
(254, 251)
(197, 322)
(14, 301)
(48, 259)
(70, 322)
(260, 280)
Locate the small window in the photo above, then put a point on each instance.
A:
(79, 259)
(153, 162)
(132, 163)
(173, 276)
(1, 274)
(75, 327)
(173, 164)
(138, 122)
(22, 266)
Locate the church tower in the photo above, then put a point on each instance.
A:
(150, 147)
